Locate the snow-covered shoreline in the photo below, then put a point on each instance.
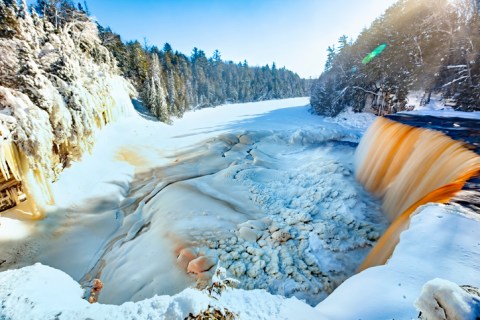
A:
(440, 243)
(234, 131)
(222, 180)
(385, 292)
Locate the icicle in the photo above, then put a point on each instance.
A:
(13, 160)
(61, 123)
(31, 192)
(3, 163)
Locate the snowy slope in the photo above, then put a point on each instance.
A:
(440, 243)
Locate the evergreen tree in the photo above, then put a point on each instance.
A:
(428, 48)
(330, 56)
(156, 93)
(8, 17)
(196, 81)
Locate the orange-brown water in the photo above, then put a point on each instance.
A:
(407, 167)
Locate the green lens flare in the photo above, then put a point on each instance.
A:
(374, 53)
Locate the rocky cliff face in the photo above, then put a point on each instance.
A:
(58, 85)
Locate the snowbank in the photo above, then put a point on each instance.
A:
(354, 120)
(439, 244)
(41, 292)
(442, 299)
(436, 107)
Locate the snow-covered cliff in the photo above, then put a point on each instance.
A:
(58, 85)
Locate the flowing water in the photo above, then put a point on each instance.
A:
(407, 166)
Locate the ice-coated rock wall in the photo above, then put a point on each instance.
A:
(58, 85)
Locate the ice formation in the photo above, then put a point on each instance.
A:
(444, 300)
(264, 204)
(57, 86)
(282, 223)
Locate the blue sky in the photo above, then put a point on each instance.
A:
(293, 33)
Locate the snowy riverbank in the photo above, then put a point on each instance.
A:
(265, 189)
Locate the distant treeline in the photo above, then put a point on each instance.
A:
(171, 83)
(431, 46)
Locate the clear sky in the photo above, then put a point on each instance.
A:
(291, 33)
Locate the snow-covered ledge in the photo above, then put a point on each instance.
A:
(442, 299)
(442, 242)
(42, 292)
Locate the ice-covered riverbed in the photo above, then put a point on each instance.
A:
(264, 189)
(241, 184)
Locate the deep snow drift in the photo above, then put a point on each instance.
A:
(41, 292)
(445, 299)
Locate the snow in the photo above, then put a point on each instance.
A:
(442, 299)
(437, 103)
(447, 114)
(41, 292)
(212, 179)
(440, 243)
(222, 171)
(38, 292)
(355, 120)
(264, 189)
(436, 107)
(12, 229)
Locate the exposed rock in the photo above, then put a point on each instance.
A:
(185, 256)
(248, 234)
(200, 264)
(281, 236)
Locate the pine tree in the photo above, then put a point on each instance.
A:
(330, 56)
(8, 17)
(429, 48)
(195, 81)
(154, 93)
(342, 42)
